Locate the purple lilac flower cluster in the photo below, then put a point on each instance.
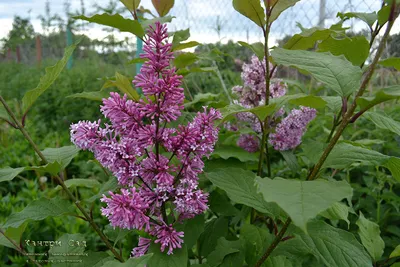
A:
(290, 130)
(154, 164)
(252, 94)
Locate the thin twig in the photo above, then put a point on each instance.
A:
(20, 250)
(61, 182)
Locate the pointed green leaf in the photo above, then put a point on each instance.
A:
(150, 22)
(338, 211)
(179, 258)
(257, 48)
(256, 240)
(96, 95)
(251, 9)
(281, 6)
(227, 152)
(38, 210)
(48, 79)
(78, 182)
(193, 229)
(240, 187)
(163, 6)
(137, 262)
(332, 247)
(53, 168)
(185, 59)
(13, 234)
(382, 95)
(336, 72)
(370, 235)
(182, 46)
(383, 122)
(383, 15)
(63, 155)
(395, 252)
(303, 200)
(280, 261)
(116, 21)
(223, 248)
(307, 38)
(356, 49)
(180, 36)
(131, 4)
(368, 18)
(213, 230)
(8, 173)
(124, 85)
(67, 249)
(391, 62)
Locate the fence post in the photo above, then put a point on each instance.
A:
(322, 13)
(139, 47)
(9, 54)
(69, 42)
(38, 50)
(18, 53)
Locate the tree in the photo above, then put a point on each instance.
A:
(22, 31)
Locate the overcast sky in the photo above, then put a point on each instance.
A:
(203, 17)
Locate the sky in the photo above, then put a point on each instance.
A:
(208, 20)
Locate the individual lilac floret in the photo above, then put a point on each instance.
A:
(167, 236)
(290, 130)
(156, 166)
(142, 248)
(249, 142)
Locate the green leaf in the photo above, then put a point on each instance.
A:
(13, 234)
(251, 9)
(356, 49)
(163, 6)
(291, 160)
(227, 152)
(94, 259)
(391, 62)
(257, 48)
(256, 240)
(38, 210)
(307, 38)
(311, 101)
(96, 95)
(67, 249)
(116, 21)
(202, 98)
(331, 246)
(368, 18)
(137, 60)
(344, 154)
(53, 168)
(336, 72)
(179, 258)
(370, 236)
(380, 96)
(131, 4)
(280, 261)
(48, 79)
(239, 185)
(223, 248)
(193, 229)
(220, 204)
(185, 59)
(150, 22)
(78, 182)
(180, 36)
(303, 200)
(182, 46)
(383, 15)
(214, 229)
(281, 6)
(63, 155)
(395, 252)
(8, 173)
(383, 122)
(137, 262)
(124, 84)
(110, 185)
(338, 211)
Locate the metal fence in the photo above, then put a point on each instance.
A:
(216, 20)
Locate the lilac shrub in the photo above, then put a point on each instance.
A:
(288, 131)
(156, 166)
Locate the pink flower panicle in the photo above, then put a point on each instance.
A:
(138, 148)
(249, 142)
(289, 131)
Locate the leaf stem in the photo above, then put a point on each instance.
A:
(60, 181)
